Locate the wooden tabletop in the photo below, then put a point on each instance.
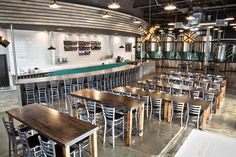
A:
(108, 99)
(59, 127)
(168, 97)
(183, 87)
(184, 99)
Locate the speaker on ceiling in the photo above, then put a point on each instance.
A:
(4, 42)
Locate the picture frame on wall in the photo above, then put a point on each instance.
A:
(128, 47)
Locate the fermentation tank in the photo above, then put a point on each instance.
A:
(181, 45)
(200, 43)
(168, 42)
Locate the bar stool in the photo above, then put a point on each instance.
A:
(54, 91)
(14, 142)
(156, 107)
(90, 82)
(42, 92)
(112, 80)
(106, 82)
(30, 93)
(66, 88)
(98, 82)
(51, 149)
(79, 84)
(30, 144)
(177, 112)
(122, 78)
(194, 114)
(113, 120)
(117, 78)
(146, 105)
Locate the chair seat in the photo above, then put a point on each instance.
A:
(118, 116)
(33, 141)
(59, 150)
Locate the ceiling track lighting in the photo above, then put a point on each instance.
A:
(170, 7)
(190, 17)
(54, 5)
(229, 18)
(106, 15)
(137, 22)
(114, 5)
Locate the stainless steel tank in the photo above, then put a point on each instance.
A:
(167, 42)
(219, 50)
(181, 45)
(200, 43)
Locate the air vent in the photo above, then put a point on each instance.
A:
(179, 25)
(221, 22)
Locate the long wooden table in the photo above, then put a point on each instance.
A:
(218, 94)
(57, 126)
(205, 105)
(116, 101)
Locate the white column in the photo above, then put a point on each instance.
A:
(14, 51)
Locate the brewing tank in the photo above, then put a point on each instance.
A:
(181, 45)
(200, 43)
(168, 42)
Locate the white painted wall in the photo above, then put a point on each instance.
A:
(31, 49)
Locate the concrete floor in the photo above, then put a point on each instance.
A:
(158, 136)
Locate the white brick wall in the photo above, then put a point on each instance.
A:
(31, 49)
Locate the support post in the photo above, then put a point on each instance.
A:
(207, 46)
(14, 51)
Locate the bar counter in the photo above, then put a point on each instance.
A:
(71, 76)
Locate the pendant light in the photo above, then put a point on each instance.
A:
(170, 7)
(54, 5)
(121, 46)
(114, 5)
(106, 15)
(190, 12)
(51, 38)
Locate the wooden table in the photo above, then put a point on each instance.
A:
(116, 101)
(205, 105)
(57, 126)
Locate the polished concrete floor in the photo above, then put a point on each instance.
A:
(160, 139)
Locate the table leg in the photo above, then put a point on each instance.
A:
(166, 111)
(94, 144)
(129, 128)
(66, 151)
(169, 112)
(206, 115)
(141, 119)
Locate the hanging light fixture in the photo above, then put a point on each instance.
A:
(54, 5)
(121, 46)
(114, 5)
(170, 7)
(229, 18)
(233, 24)
(106, 15)
(51, 38)
(137, 22)
(190, 17)
(51, 48)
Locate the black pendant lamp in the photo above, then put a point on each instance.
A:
(134, 46)
(121, 47)
(51, 48)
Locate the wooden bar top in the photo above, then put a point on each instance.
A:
(64, 77)
(108, 99)
(59, 127)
